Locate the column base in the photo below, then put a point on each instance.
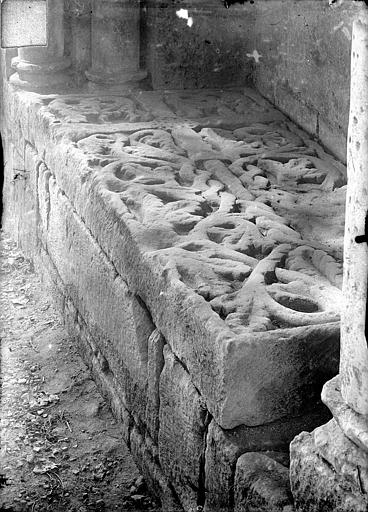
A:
(329, 467)
(114, 82)
(44, 77)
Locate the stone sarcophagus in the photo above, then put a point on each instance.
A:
(193, 241)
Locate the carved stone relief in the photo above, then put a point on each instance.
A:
(232, 106)
(242, 215)
(109, 109)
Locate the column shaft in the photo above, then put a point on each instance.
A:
(79, 18)
(354, 349)
(115, 43)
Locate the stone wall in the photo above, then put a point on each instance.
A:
(305, 68)
(297, 54)
(197, 44)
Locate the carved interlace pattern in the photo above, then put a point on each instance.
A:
(109, 109)
(239, 204)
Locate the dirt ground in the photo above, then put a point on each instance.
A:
(61, 449)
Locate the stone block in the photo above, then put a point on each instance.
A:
(49, 277)
(145, 456)
(224, 447)
(135, 222)
(150, 255)
(97, 363)
(93, 357)
(8, 203)
(155, 365)
(172, 230)
(26, 222)
(181, 440)
(31, 164)
(292, 105)
(23, 199)
(328, 472)
(304, 66)
(222, 366)
(78, 330)
(261, 485)
(7, 55)
(116, 318)
(353, 424)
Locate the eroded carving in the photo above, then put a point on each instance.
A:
(223, 107)
(102, 109)
(240, 215)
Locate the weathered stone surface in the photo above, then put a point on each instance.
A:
(50, 278)
(296, 54)
(21, 187)
(208, 227)
(98, 365)
(143, 449)
(224, 447)
(115, 43)
(146, 456)
(88, 347)
(44, 68)
(261, 485)
(155, 365)
(305, 63)
(117, 319)
(93, 109)
(214, 233)
(328, 472)
(222, 108)
(182, 433)
(78, 21)
(215, 215)
(353, 424)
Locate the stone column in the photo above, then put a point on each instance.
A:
(115, 45)
(329, 466)
(354, 348)
(44, 68)
(79, 17)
